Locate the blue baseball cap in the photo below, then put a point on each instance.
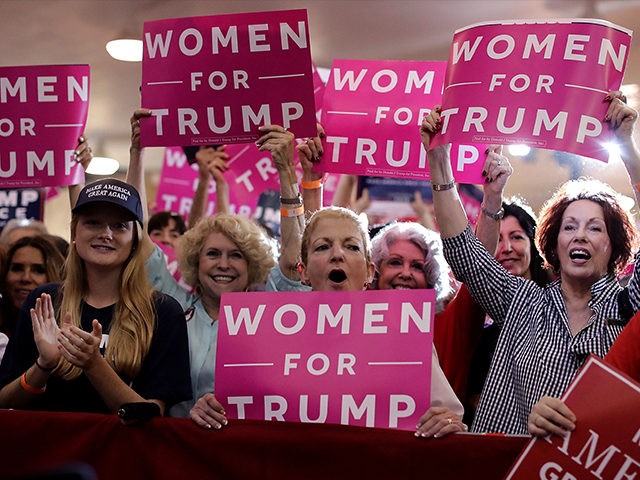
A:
(114, 191)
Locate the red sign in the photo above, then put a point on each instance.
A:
(606, 441)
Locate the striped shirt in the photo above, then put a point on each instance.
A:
(536, 354)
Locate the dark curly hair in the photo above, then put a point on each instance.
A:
(621, 228)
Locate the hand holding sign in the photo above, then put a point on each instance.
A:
(551, 416)
(278, 141)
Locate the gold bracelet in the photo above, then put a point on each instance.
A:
(439, 187)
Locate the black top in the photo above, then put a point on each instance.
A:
(164, 375)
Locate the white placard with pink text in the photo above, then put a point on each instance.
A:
(372, 112)
(216, 79)
(537, 82)
(44, 111)
(353, 358)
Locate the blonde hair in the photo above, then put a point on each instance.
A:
(244, 233)
(337, 213)
(134, 318)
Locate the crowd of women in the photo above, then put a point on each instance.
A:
(107, 323)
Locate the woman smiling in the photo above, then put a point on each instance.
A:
(587, 238)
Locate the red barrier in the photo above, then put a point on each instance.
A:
(167, 448)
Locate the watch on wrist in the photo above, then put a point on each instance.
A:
(297, 200)
(499, 215)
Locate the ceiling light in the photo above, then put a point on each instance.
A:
(125, 49)
(103, 166)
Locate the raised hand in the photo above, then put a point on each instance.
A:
(45, 331)
(83, 152)
(279, 142)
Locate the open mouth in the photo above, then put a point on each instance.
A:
(579, 254)
(337, 276)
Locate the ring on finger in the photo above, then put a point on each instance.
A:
(449, 420)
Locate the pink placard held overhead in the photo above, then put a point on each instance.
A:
(606, 441)
(372, 111)
(44, 111)
(353, 358)
(216, 79)
(537, 82)
(254, 188)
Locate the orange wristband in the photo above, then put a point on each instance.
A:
(291, 212)
(25, 386)
(312, 185)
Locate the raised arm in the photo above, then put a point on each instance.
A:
(212, 162)
(84, 155)
(279, 142)
(497, 171)
(450, 214)
(135, 173)
(310, 152)
(622, 119)
(345, 192)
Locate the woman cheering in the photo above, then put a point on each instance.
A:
(102, 337)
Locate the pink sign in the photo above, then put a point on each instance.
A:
(538, 82)
(372, 110)
(216, 79)
(353, 358)
(44, 111)
(318, 92)
(172, 265)
(251, 173)
(606, 441)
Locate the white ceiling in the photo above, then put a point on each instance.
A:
(75, 31)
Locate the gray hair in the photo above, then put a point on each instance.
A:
(436, 269)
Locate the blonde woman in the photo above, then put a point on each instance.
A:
(223, 253)
(110, 339)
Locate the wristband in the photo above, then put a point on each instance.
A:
(292, 212)
(29, 388)
(44, 369)
(291, 201)
(439, 187)
(312, 185)
(495, 216)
